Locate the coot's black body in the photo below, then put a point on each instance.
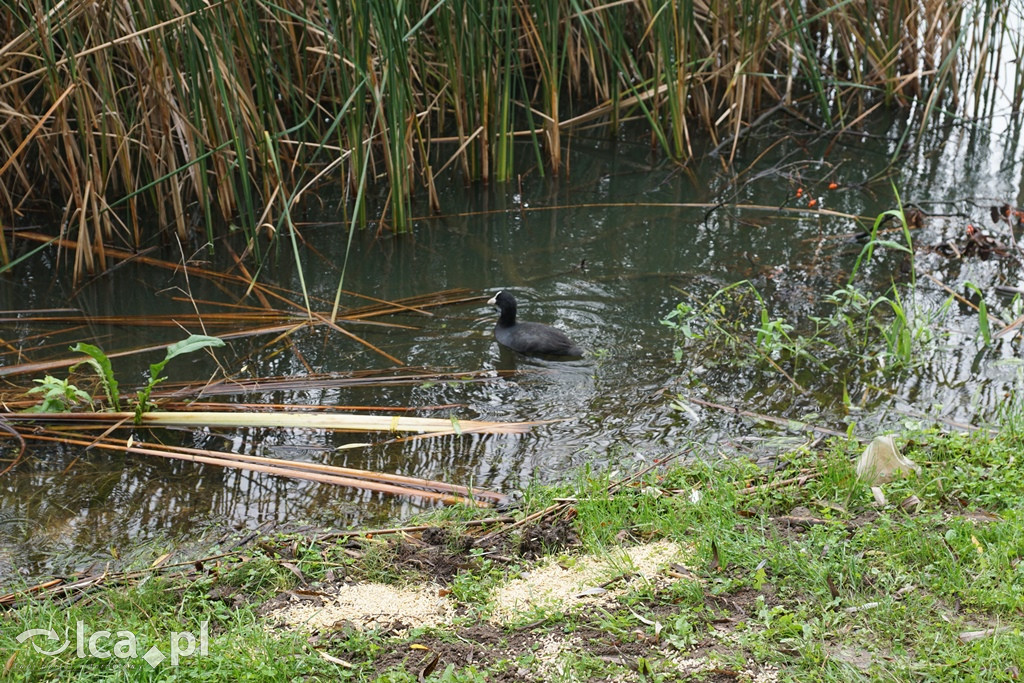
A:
(529, 338)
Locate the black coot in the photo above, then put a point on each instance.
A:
(532, 338)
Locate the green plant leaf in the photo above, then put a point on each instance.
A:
(893, 245)
(192, 343)
(101, 364)
(983, 323)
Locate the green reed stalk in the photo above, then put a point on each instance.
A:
(802, 44)
(671, 31)
(605, 37)
(503, 129)
(466, 37)
(547, 32)
(392, 93)
(348, 55)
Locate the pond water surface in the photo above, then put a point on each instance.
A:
(604, 252)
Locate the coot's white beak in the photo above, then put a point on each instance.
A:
(493, 301)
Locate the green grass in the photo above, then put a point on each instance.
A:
(858, 592)
(239, 646)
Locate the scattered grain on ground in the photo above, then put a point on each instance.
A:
(561, 583)
(367, 606)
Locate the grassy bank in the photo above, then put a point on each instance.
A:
(228, 111)
(711, 570)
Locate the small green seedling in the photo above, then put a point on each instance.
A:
(59, 396)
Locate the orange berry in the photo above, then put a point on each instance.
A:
(812, 203)
(833, 186)
(799, 192)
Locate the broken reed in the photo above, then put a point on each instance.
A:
(204, 111)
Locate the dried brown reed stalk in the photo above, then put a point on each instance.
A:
(380, 482)
(265, 319)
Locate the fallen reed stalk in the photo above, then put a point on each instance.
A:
(281, 420)
(326, 474)
(266, 320)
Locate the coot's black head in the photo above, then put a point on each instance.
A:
(506, 303)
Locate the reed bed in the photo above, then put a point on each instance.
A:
(137, 118)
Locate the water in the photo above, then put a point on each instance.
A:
(604, 253)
